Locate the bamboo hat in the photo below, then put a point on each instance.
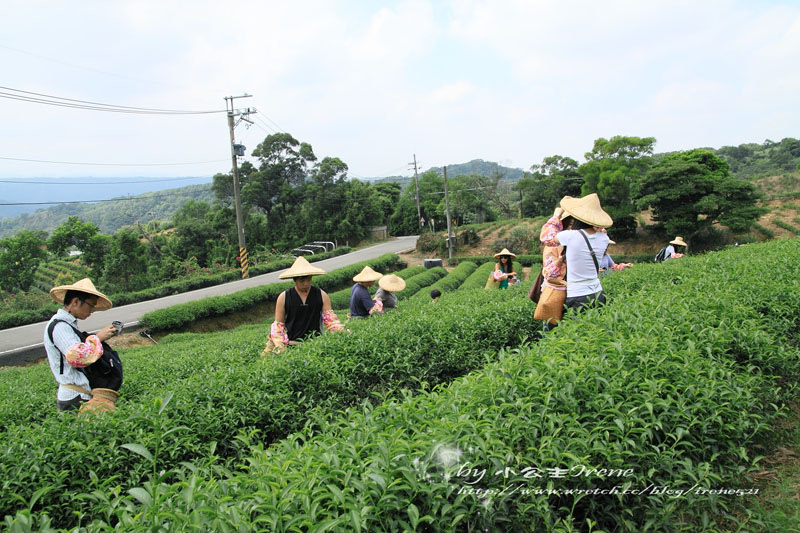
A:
(586, 209)
(678, 241)
(503, 252)
(367, 275)
(392, 283)
(84, 285)
(301, 267)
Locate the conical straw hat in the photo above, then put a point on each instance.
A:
(504, 252)
(678, 241)
(392, 283)
(367, 274)
(84, 285)
(301, 267)
(586, 209)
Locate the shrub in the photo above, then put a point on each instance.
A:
(657, 387)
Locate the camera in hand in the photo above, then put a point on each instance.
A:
(118, 326)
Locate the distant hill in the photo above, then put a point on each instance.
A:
(112, 214)
(476, 166)
(481, 168)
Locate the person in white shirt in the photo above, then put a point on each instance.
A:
(585, 243)
(66, 351)
(671, 253)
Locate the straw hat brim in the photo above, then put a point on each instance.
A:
(678, 241)
(587, 209)
(611, 242)
(503, 252)
(301, 267)
(392, 283)
(86, 286)
(367, 275)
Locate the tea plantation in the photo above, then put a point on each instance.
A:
(446, 416)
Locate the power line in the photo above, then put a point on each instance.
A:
(112, 164)
(164, 180)
(60, 101)
(89, 201)
(263, 122)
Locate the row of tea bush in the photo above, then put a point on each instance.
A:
(639, 416)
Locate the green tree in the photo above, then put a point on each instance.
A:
(387, 194)
(547, 184)
(194, 232)
(73, 232)
(20, 256)
(689, 191)
(613, 170)
(126, 263)
(222, 184)
(361, 210)
(96, 252)
(274, 188)
(472, 199)
(431, 188)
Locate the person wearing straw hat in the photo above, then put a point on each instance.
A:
(670, 252)
(300, 310)
(63, 341)
(504, 268)
(361, 303)
(607, 264)
(387, 287)
(585, 243)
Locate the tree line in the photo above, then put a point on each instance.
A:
(290, 196)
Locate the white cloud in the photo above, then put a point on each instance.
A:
(374, 83)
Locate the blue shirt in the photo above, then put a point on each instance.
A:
(360, 301)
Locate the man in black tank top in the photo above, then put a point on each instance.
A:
(301, 311)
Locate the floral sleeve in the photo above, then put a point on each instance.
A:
(377, 307)
(549, 231)
(552, 267)
(331, 321)
(278, 339)
(89, 350)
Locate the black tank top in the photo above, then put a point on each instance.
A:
(303, 319)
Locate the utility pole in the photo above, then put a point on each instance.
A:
(237, 150)
(449, 225)
(416, 189)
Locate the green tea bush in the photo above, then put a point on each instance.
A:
(477, 280)
(219, 386)
(764, 231)
(451, 281)
(180, 315)
(671, 386)
(422, 280)
(785, 225)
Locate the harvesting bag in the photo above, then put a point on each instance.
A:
(105, 373)
(491, 284)
(551, 305)
(103, 401)
(536, 289)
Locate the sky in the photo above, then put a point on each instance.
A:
(375, 83)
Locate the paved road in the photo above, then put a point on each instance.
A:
(24, 343)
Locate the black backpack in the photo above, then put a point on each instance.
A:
(661, 255)
(105, 373)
